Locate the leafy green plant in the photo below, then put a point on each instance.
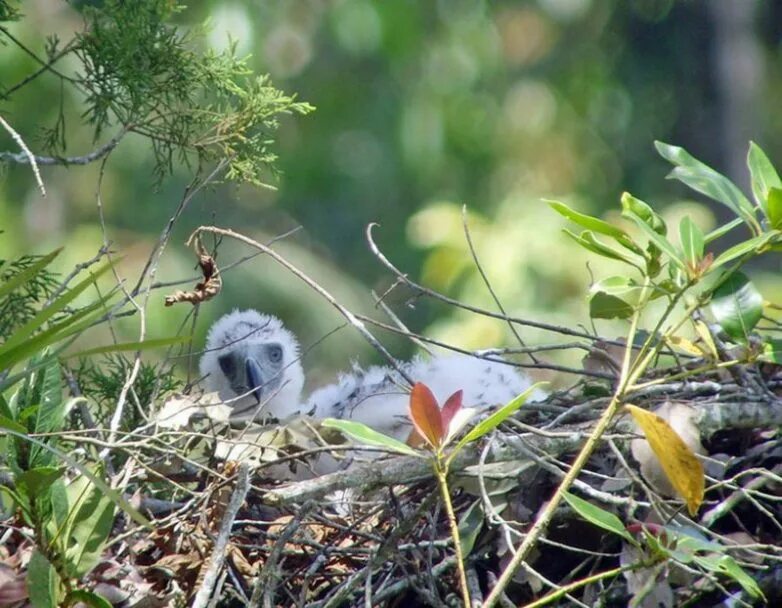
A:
(660, 543)
(65, 501)
(434, 431)
(20, 305)
(694, 280)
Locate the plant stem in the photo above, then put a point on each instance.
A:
(441, 472)
(545, 517)
(558, 593)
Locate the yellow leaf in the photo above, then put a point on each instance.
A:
(679, 462)
(705, 334)
(687, 346)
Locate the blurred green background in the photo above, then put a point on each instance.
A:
(422, 107)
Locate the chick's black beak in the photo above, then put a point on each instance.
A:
(254, 378)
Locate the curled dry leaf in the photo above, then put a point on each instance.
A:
(667, 456)
(204, 290)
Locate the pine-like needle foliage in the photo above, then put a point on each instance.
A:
(140, 73)
(102, 382)
(21, 305)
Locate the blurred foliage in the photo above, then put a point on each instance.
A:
(19, 306)
(422, 108)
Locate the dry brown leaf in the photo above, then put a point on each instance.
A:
(204, 290)
(677, 459)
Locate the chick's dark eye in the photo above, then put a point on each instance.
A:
(275, 353)
(227, 364)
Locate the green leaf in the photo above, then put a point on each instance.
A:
(595, 225)
(493, 421)
(702, 178)
(589, 242)
(12, 425)
(725, 564)
(5, 409)
(774, 207)
(35, 482)
(367, 436)
(34, 324)
(632, 206)
(723, 230)
(772, 350)
(629, 204)
(606, 306)
(615, 285)
(764, 176)
(737, 306)
(72, 324)
(89, 531)
(598, 516)
(743, 248)
(131, 346)
(42, 582)
(51, 411)
(20, 278)
(115, 496)
(692, 240)
(470, 526)
(86, 597)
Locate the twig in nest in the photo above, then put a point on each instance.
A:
(206, 289)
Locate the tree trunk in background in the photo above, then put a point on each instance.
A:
(739, 68)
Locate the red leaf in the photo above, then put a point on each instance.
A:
(452, 405)
(425, 414)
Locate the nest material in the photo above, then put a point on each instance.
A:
(378, 533)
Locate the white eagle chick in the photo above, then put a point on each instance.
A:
(252, 362)
(379, 397)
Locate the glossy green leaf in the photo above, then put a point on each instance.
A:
(742, 249)
(692, 240)
(707, 181)
(493, 421)
(637, 209)
(589, 241)
(42, 582)
(598, 516)
(737, 306)
(764, 176)
(606, 306)
(616, 286)
(367, 436)
(22, 277)
(595, 225)
(655, 237)
(774, 207)
(82, 596)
